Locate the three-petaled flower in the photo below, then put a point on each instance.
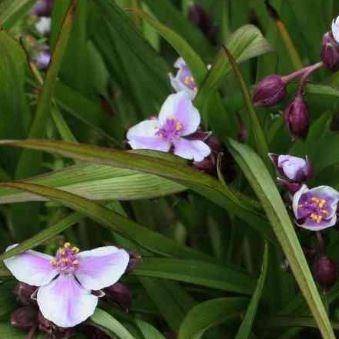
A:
(172, 130)
(65, 282)
(316, 209)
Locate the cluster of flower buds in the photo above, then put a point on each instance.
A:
(273, 89)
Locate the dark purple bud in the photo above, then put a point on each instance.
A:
(297, 118)
(134, 259)
(293, 168)
(269, 91)
(330, 52)
(325, 271)
(25, 318)
(43, 8)
(119, 294)
(291, 187)
(24, 292)
(199, 16)
(93, 332)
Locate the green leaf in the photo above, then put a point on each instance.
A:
(148, 331)
(208, 314)
(29, 162)
(98, 182)
(263, 185)
(12, 10)
(7, 331)
(105, 320)
(198, 273)
(150, 240)
(167, 13)
(203, 184)
(247, 323)
(245, 43)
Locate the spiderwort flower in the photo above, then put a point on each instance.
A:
(293, 168)
(316, 209)
(183, 81)
(171, 130)
(43, 25)
(65, 282)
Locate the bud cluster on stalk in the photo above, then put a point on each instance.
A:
(273, 89)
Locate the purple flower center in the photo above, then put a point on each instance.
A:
(314, 208)
(187, 79)
(171, 130)
(66, 260)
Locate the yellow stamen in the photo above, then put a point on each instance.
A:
(75, 250)
(67, 245)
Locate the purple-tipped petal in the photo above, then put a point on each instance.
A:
(65, 302)
(101, 267)
(31, 267)
(143, 136)
(179, 107)
(195, 150)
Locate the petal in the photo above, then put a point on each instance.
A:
(335, 29)
(314, 226)
(195, 150)
(143, 136)
(65, 302)
(178, 86)
(296, 197)
(180, 107)
(292, 166)
(101, 267)
(31, 267)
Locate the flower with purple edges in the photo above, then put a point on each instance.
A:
(66, 281)
(183, 81)
(293, 168)
(315, 209)
(171, 130)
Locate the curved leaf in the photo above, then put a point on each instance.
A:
(198, 273)
(197, 181)
(97, 182)
(208, 314)
(105, 320)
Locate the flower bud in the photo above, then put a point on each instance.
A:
(24, 292)
(119, 294)
(297, 118)
(43, 58)
(199, 16)
(325, 271)
(25, 317)
(330, 52)
(134, 259)
(43, 8)
(292, 168)
(269, 91)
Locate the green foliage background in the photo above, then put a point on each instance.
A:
(212, 251)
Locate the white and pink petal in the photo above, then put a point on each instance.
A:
(65, 302)
(179, 106)
(101, 267)
(31, 267)
(144, 136)
(195, 150)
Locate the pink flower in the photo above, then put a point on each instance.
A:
(171, 130)
(66, 281)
